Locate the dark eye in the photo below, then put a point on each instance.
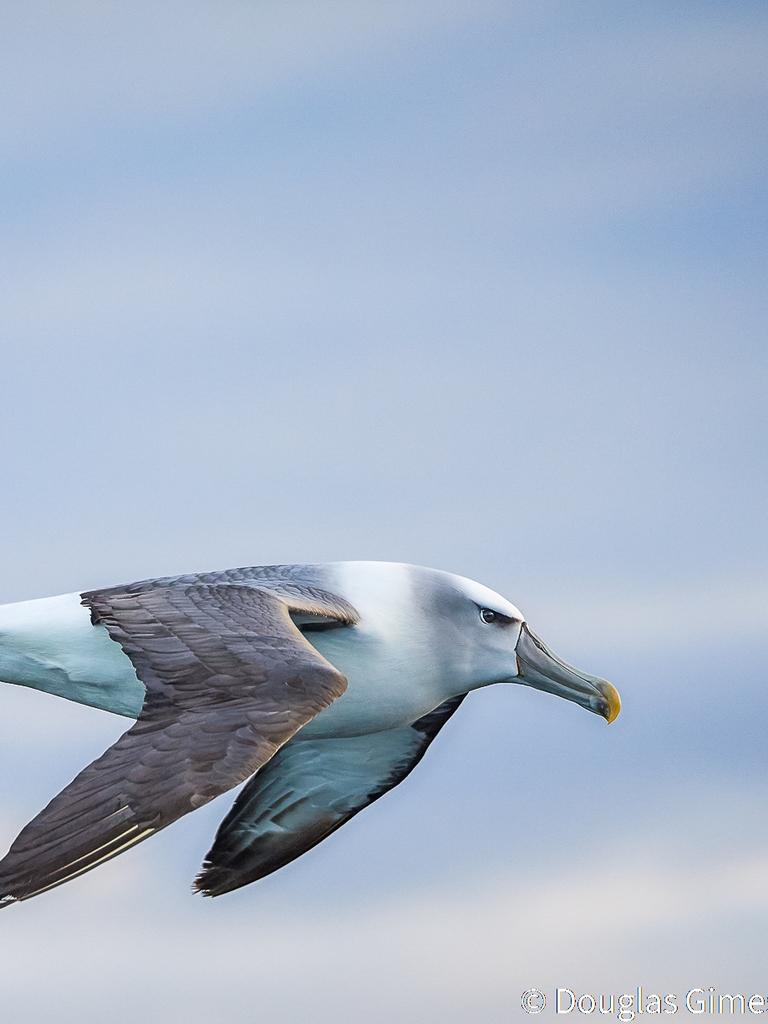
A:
(487, 615)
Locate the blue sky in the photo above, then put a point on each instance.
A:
(480, 286)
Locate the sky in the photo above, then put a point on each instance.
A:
(473, 285)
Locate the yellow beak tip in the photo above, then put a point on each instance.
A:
(614, 702)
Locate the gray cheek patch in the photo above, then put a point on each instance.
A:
(448, 614)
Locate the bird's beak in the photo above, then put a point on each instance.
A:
(540, 668)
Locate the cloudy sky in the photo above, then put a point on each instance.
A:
(474, 285)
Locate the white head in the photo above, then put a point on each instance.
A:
(467, 634)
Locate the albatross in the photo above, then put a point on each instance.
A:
(319, 686)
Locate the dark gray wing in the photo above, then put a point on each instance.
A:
(229, 678)
(307, 791)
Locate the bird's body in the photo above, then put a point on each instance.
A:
(395, 665)
(362, 661)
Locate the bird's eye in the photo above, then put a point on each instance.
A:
(488, 615)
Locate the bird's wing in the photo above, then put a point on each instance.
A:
(229, 678)
(308, 790)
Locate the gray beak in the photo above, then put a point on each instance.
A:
(540, 668)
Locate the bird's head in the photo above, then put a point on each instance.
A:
(498, 645)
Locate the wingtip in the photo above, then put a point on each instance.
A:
(211, 882)
(200, 886)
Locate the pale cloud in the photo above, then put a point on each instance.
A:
(70, 68)
(672, 615)
(444, 949)
(593, 128)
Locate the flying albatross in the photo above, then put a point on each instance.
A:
(321, 685)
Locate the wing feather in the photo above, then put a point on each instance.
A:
(307, 791)
(229, 679)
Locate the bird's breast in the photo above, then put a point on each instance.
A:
(389, 684)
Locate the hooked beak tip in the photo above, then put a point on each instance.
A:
(612, 702)
(540, 668)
